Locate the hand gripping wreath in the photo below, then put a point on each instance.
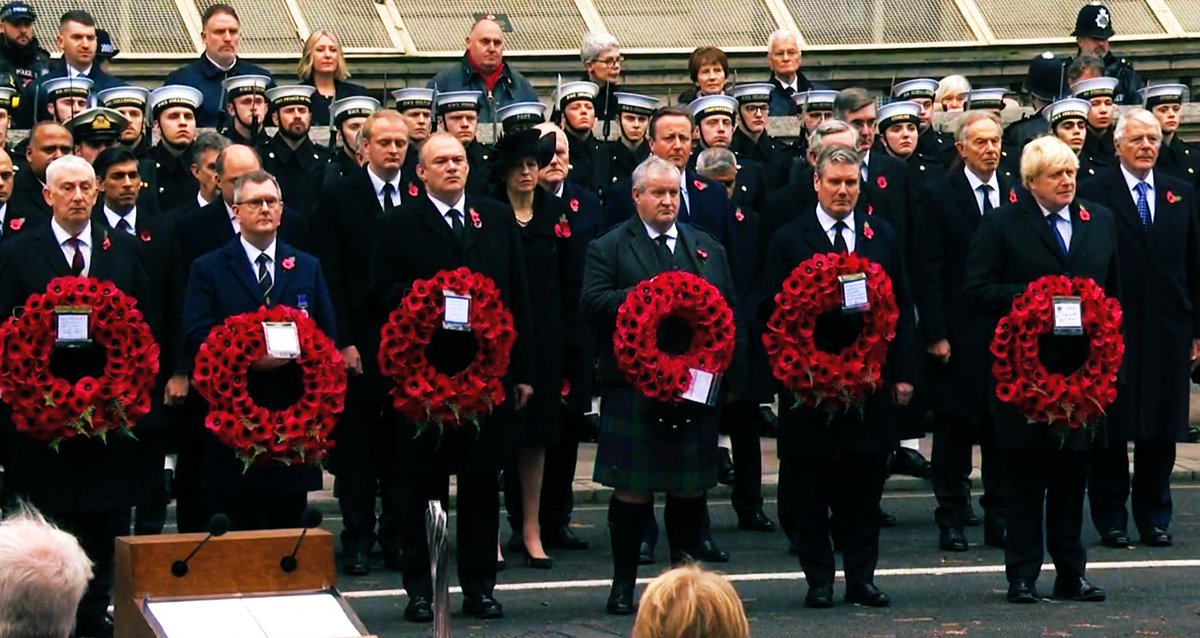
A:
(1064, 402)
(666, 377)
(295, 435)
(833, 381)
(49, 408)
(425, 395)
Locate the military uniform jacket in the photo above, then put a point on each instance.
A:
(774, 155)
(587, 162)
(480, 158)
(804, 430)
(1022, 132)
(1160, 300)
(300, 171)
(417, 243)
(32, 108)
(1100, 146)
(1014, 246)
(84, 474)
(175, 185)
(258, 141)
(1179, 159)
(936, 146)
(622, 160)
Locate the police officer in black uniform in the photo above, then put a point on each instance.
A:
(932, 144)
(631, 147)
(752, 141)
(1093, 28)
(130, 101)
(22, 58)
(577, 116)
(246, 108)
(173, 111)
(1175, 156)
(458, 114)
(290, 155)
(1102, 118)
(1044, 82)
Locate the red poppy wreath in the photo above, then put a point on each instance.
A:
(49, 408)
(833, 381)
(425, 395)
(294, 435)
(1065, 402)
(656, 374)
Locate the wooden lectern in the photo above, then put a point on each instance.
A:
(236, 564)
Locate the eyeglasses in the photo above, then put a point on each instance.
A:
(617, 61)
(258, 203)
(756, 108)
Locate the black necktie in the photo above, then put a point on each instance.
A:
(986, 190)
(264, 278)
(665, 256)
(389, 198)
(123, 225)
(456, 222)
(77, 264)
(839, 240)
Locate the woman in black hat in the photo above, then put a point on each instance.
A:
(554, 281)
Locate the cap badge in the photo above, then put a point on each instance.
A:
(1102, 18)
(100, 123)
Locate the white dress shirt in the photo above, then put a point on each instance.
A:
(378, 183)
(789, 85)
(672, 234)
(201, 202)
(1063, 229)
(223, 68)
(237, 226)
(85, 236)
(827, 222)
(975, 182)
(1132, 181)
(252, 254)
(443, 208)
(72, 73)
(113, 218)
(683, 192)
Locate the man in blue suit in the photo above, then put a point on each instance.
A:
(250, 271)
(221, 34)
(77, 39)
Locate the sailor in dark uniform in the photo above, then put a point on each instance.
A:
(246, 106)
(577, 116)
(1176, 157)
(348, 116)
(714, 117)
(290, 154)
(751, 140)
(899, 131)
(519, 116)
(932, 144)
(173, 111)
(812, 107)
(1068, 121)
(130, 101)
(1044, 82)
(7, 94)
(1101, 119)
(94, 130)
(416, 106)
(65, 98)
(458, 114)
(631, 147)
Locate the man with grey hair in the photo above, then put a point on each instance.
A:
(86, 485)
(633, 457)
(43, 574)
(838, 463)
(783, 58)
(204, 167)
(603, 64)
(482, 68)
(787, 203)
(1158, 243)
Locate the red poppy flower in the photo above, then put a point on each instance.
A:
(412, 190)
(1084, 215)
(16, 223)
(574, 203)
(1012, 195)
(475, 220)
(562, 229)
(699, 185)
(868, 232)
(1172, 197)
(701, 253)
(106, 244)
(144, 235)
(737, 214)
(288, 263)
(881, 182)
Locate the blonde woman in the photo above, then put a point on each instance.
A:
(689, 602)
(323, 65)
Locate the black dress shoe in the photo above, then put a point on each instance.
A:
(620, 599)
(1022, 592)
(501, 564)
(910, 462)
(419, 609)
(708, 552)
(561, 537)
(995, 536)
(768, 422)
(885, 519)
(645, 554)
(952, 539)
(866, 594)
(101, 628)
(755, 521)
(724, 467)
(1156, 537)
(1116, 538)
(482, 606)
(1079, 590)
(354, 562)
(969, 517)
(539, 563)
(819, 596)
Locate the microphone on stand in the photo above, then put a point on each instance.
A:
(310, 519)
(217, 526)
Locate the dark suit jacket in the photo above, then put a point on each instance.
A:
(320, 103)
(1160, 297)
(580, 356)
(222, 283)
(19, 221)
(203, 230)
(84, 474)
(27, 199)
(946, 225)
(417, 243)
(33, 105)
(1014, 246)
(709, 209)
(805, 430)
(624, 257)
(175, 184)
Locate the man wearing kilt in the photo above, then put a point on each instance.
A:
(638, 455)
(838, 461)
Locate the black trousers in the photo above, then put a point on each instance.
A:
(1109, 485)
(97, 533)
(558, 479)
(249, 511)
(364, 467)
(477, 524)
(848, 485)
(1049, 482)
(953, 442)
(740, 420)
(150, 510)
(785, 504)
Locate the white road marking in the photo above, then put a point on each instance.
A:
(780, 576)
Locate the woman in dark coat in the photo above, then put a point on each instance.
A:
(553, 274)
(323, 65)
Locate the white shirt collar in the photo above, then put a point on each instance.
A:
(793, 84)
(558, 192)
(200, 201)
(61, 234)
(377, 183)
(252, 253)
(114, 218)
(443, 207)
(1131, 180)
(866, 159)
(72, 73)
(671, 233)
(237, 226)
(3, 212)
(827, 221)
(223, 68)
(1064, 213)
(975, 182)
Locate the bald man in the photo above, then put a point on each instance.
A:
(482, 68)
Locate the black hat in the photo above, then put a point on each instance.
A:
(14, 12)
(106, 49)
(1045, 78)
(97, 124)
(1094, 21)
(515, 147)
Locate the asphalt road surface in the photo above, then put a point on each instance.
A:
(1151, 592)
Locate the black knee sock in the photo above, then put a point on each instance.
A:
(684, 518)
(626, 521)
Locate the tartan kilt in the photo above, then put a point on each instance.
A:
(636, 454)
